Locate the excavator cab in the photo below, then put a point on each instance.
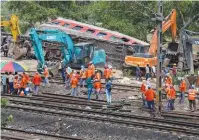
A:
(85, 52)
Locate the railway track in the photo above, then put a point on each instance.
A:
(10, 137)
(116, 118)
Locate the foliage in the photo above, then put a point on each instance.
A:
(4, 118)
(129, 17)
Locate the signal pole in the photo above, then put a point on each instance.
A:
(159, 19)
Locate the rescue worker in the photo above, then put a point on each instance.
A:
(106, 73)
(11, 79)
(150, 95)
(191, 98)
(138, 72)
(23, 84)
(46, 75)
(111, 72)
(182, 88)
(92, 67)
(36, 80)
(97, 84)
(168, 80)
(16, 85)
(89, 72)
(74, 82)
(143, 90)
(108, 88)
(171, 97)
(68, 77)
(82, 76)
(174, 70)
(89, 82)
(147, 69)
(28, 81)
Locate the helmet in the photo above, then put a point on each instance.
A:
(91, 62)
(192, 86)
(82, 66)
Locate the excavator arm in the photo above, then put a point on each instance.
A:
(169, 23)
(56, 36)
(13, 23)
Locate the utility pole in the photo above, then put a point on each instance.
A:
(159, 19)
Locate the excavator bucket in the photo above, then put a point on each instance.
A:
(172, 49)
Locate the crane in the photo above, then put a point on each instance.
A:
(143, 58)
(13, 23)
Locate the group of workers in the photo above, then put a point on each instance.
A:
(148, 94)
(20, 84)
(91, 77)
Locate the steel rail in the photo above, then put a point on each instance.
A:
(42, 134)
(111, 120)
(108, 113)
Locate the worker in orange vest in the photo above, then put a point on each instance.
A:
(89, 72)
(36, 80)
(16, 85)
(111, 72)
(46, 75)
(107, 73)
(69, 74)
(143, 90)
(182, 88)
(27, 80)
(97, 84)
(168, 80)
(74, 82)
(23, 84)
(92, 67)
(171, 95)
(82, 76)
(150, 96)
(192, 97)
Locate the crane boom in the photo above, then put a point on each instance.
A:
(169, 23)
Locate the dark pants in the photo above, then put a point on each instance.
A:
(15, 91)
(4, 89)
(138, 75)
(11, 87)
(151, 105)
(5, 53)
(171, 104)
(192, 103)
(147, 75)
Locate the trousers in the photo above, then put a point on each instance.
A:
(108, 96)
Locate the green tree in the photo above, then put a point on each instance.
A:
(5, 119)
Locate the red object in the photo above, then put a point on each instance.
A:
(143, 88)
(36, 79)
(150, 95)
(74, 82)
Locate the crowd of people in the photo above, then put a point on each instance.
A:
(20, 84)
(91, 77)
(148, 94)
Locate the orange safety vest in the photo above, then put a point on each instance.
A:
(82, 74)
(89, 73)
(192, 95)
(182, 86)
(107, 73)
(16, 84)
(168, 80)
(23, 83)
(143, 88)
(74, 82)
(150, 95)
(93, 69)
(46, 72)
(171, 93)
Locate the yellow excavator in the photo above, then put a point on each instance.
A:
(142, 58)
(13, 23)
